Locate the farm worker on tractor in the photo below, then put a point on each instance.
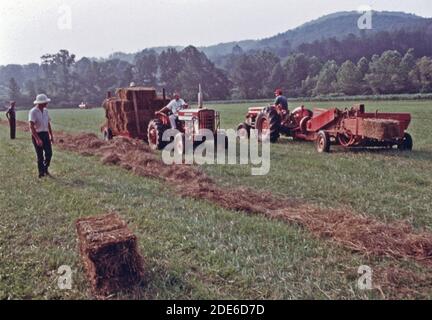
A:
(174, 106)
(42, 136)
(281, 100)
(11, 116)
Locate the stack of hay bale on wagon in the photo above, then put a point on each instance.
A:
(130, 111)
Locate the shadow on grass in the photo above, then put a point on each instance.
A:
(417, 154)
(414, 154)
(155, 277)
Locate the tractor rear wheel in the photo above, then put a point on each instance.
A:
(155, 132)
(243, 130)
(407, 143)
(268, 121)
(322, 143)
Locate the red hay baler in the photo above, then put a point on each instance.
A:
(348, 128)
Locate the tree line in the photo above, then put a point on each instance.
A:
(250, 75)
(354, 47)
(70, 82)
(256, 75)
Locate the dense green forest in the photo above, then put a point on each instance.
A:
(382, 63)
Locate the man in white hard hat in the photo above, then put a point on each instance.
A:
(42, 136)
(174, 106)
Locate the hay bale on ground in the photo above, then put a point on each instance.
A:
(110, 254)
(381, 129)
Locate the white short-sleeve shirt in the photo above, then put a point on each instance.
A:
(176, 105)
(40, 119)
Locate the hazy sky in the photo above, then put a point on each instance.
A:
(96, 28)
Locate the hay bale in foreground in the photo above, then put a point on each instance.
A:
(381, 129)
(110, 254)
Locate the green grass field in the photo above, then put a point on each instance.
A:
(194, 249)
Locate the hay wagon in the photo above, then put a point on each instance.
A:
(129, 112)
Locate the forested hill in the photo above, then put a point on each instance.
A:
(337, 25)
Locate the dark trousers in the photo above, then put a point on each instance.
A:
(12, 125)
(44, 152)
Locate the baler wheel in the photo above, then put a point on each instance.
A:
(268, 119)
(155, 132)
(323, 142)
(407, 143)
(243, 130)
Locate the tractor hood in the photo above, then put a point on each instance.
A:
(189, 114)
(256, 110)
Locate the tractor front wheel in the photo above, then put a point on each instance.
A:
(407, 143)
(268, 125)
(323, 142)
(243, 130)
(155, 132)
(179, 144)
(221, 141)
(107, 134)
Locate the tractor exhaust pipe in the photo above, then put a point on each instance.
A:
(200, 97)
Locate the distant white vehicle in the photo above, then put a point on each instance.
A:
(83, 105)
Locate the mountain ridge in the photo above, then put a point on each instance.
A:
(334, 25)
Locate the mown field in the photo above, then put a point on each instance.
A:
(194, 249)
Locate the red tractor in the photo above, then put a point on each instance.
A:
(348, 128)
(274, 121)
(190, 122)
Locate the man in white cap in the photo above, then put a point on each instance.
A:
(174, 106)
(42, 136)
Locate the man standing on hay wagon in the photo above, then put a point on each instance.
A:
(11, 116)
(42, 136)
(174, 107)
